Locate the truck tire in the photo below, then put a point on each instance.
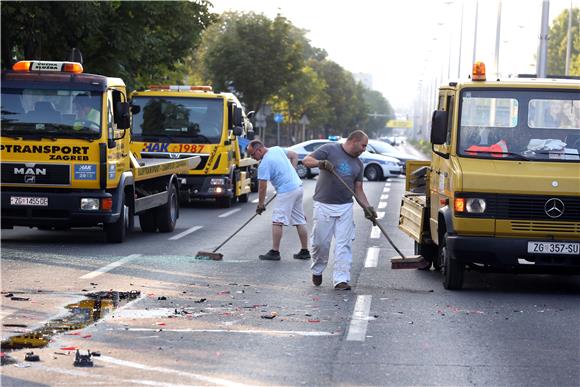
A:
(452, 269)
(373, 173)
(116, 232)
(147, 221)
(243, 198)
(225, 202)
(168, 213)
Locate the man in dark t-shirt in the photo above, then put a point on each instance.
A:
(333, 212)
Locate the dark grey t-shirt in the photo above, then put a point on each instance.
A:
(329, 189)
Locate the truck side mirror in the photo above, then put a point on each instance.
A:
(123, 115)
(439, 127)
(238, 119)
(250, 135)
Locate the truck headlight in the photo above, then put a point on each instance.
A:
(89, 204)
(475, 205)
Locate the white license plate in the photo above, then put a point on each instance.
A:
(28, 201)
(554, 248)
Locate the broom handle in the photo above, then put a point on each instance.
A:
(243, 225)
(376, 223)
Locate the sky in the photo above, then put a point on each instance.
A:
(404, 44)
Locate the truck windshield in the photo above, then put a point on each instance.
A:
(178, 120)
(520, 125)
(51, 113)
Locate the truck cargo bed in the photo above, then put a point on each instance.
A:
(413, 214)
(145, 169)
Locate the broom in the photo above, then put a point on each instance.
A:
(213, 255)
(401, 262)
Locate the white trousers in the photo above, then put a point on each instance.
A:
(288, 208)
(332, 220)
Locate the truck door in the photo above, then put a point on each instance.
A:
(118, 139)
(440, 187)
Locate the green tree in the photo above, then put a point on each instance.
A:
(251, 55)
(558, 42)
(139, 41)
(378, 104)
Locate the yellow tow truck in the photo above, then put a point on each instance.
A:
(502, 192)
(182, 121)
(66, 158)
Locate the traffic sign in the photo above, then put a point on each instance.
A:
(278, 118)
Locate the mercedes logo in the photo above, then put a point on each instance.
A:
(554, 208)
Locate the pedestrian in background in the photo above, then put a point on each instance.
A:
(278, 166)
(333, 212)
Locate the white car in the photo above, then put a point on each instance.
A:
(376, 166)
(384, 148)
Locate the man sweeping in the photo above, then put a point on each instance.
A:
(278, 166)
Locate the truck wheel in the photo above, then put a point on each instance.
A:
(243, 198)
(452, 269)
(302, 171)
(426, 252)
(168, 213)
(116, 232)
(147, 221)
(373, 173)
(224, 202)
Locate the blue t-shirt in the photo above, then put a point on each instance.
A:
(277, 168)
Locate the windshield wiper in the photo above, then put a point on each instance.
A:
(516, 156)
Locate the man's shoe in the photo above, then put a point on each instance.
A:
(271, 255)
(302, 254)
(317, 279)
(342, 286)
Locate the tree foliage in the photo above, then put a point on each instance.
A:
(378, 105)
(141, 42)
(558, 42)
(251, 55)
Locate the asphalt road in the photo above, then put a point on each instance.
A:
(242, 321)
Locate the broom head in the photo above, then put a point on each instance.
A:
(209, 256)
(409, 262)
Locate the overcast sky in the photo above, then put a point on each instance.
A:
(400, 42)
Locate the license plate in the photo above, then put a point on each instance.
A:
(28, 201)
(554, 248)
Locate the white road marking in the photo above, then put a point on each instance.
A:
(380, 214)
(109, 267)
(372, 257)
(245, 331)
(375, 232)
(384, 197)
(386, 189)
(382, 204)
(146, 367)
(226, 214)
(360, 320)
(186, 232)
(388, 184)
(255, 200)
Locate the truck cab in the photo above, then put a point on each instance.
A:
(181, 121)
(503, 186)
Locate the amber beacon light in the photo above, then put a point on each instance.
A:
(478, 72)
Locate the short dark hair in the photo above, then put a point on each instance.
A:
(357, 135)
(255, 144)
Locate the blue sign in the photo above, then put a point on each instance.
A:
(85, 172)
(278, 118)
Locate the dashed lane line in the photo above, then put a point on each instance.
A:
(386, 189)
(384, 197)
(110, 267)
(380, 214)
(375, 232)
(360, 318)
(382, 205)
(238, 331)
(372, 257)
(226, 214)
(186, 232)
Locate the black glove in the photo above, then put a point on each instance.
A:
(371, 214)
(325, 164)
(260, 208)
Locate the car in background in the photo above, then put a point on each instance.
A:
(376, 166)
(384, 148)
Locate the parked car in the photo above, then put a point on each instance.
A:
(381, 147)
(376, 166)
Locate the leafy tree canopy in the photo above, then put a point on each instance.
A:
(557, 44)
(141, 42)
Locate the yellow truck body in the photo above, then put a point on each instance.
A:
(502, 191)
(182, 121)
(61, 170)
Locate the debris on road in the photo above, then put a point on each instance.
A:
(30, 356)
(83, 359)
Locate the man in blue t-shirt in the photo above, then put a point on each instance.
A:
(278, 166)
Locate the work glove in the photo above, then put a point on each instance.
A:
(325, 164)
(371, 214)
(260, 208)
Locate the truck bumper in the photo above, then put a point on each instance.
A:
(205, 187)
(63, 210)
(509, 253)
